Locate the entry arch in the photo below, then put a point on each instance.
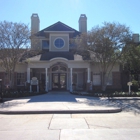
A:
(59, 76)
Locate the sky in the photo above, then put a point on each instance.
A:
(68, 11)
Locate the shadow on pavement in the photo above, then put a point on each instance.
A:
(59, 97)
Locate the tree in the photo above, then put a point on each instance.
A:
(131, 62)
(14, 41)
(105, 45)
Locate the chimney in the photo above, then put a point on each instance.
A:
(83, 23)
(35, 23)
(136, 38)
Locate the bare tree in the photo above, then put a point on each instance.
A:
(105, 45)
(14, 41)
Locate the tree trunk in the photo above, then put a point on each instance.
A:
(12, 79)
(103, 82)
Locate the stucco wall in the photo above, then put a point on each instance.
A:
(96, 68)
(65, 37)
(21, 68)
(1, 69)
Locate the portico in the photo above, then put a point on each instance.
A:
(59, 73)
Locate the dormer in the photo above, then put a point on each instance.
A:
(58, 37)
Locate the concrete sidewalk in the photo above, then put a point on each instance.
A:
(58, 102)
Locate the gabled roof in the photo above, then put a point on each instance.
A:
(58, 26)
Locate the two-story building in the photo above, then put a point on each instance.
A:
(58, 68)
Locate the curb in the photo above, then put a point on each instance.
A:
(61, 111)
(124, 98)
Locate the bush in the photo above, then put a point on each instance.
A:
(110, 94)
(12, 93)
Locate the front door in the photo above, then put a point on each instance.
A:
(59, 81)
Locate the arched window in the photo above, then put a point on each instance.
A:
(63, 68)
(59, 68)
(55, 68)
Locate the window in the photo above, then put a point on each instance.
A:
(45, 44)
(20, 79)
(59, 68)
(96, 79)
(59, 43)
(55, 68)
(63, 68)
(6, 79)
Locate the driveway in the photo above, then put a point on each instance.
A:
(58, 101)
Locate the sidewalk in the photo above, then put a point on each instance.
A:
(58, 102)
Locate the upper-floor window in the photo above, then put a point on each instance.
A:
(59, 43)
(72, 44)
(45, 44)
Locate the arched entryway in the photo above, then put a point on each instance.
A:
(59, 76)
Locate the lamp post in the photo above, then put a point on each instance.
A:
(129, 85)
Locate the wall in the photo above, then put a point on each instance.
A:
(96, 68)
(21, 68)
(116, 77)
(1, 69)
(65, 37)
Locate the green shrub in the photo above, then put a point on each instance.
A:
(135, 83)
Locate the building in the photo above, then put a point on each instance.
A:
(57, 68)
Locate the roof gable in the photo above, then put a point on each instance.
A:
(58, 27)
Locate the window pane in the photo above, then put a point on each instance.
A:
(59, 43)
(62, 68)
(20, 79)
(55, 68)
(45, 44)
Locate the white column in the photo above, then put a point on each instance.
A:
(88, 75)
(46, 88)
(71, 80)
(28, 75)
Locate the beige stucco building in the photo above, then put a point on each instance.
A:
(57, 68)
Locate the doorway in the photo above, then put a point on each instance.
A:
(59, 81)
